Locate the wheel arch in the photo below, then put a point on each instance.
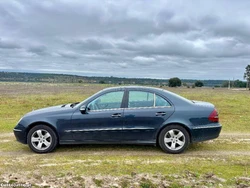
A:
(173, 123)
(41, 123)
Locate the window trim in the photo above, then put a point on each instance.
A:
(111, 109)
(154, 99)
(125, 99)
(148, 107)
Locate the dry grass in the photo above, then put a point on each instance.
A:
(20, 98)
(227, 157)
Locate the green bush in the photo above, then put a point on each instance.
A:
(174, 82)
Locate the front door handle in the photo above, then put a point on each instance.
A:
(160, 113)
(116, 115)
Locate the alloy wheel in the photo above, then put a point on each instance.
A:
(41, 139)
(174, 139)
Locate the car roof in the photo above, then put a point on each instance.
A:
(172, 96)
(133, 87)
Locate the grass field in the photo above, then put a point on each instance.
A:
(218, 163)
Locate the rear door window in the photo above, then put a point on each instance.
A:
(140, 99)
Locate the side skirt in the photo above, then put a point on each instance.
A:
(73, 142)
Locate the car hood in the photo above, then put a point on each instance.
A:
(50, 110)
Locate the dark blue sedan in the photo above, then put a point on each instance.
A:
(122, 115)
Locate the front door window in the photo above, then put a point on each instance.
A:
(112, 100)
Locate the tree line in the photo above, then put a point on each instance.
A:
(65, 78)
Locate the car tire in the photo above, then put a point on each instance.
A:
(42, 139)
(174, 139)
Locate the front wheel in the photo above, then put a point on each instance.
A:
(174, 139)
(42, 139)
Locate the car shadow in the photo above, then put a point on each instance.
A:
(201, 146)
(108, 148)
(112, 149)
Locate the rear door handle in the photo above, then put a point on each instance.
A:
(160, 113)
(116, 115)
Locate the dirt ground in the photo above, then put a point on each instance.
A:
(186, 179)
(134, 180)
(236, 138)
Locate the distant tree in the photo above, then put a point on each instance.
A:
(101, 82)
(198, 83)
(239, 84)
(236, 83)
(174, 82)
(225, 84)
(247, 75)
(184, 84)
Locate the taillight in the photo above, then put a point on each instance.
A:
(214, 116)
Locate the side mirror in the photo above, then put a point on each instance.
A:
(83, 109)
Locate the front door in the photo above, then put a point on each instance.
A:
(103, 120)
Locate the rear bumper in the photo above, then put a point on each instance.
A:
(20, 134)
(206, 132)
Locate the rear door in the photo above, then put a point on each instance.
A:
(145, 113)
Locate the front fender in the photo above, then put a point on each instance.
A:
(57, 122)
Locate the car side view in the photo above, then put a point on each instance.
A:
(122, 115)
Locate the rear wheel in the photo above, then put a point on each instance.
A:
(42, 139)
(174, 139)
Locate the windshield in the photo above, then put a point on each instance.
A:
(79, 104)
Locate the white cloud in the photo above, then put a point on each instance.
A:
(126, 38)
(145, 60)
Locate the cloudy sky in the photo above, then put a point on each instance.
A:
(148, 38)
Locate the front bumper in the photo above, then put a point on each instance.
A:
(20, 134)
(206, 132)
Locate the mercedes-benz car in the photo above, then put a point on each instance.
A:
(122, 115)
